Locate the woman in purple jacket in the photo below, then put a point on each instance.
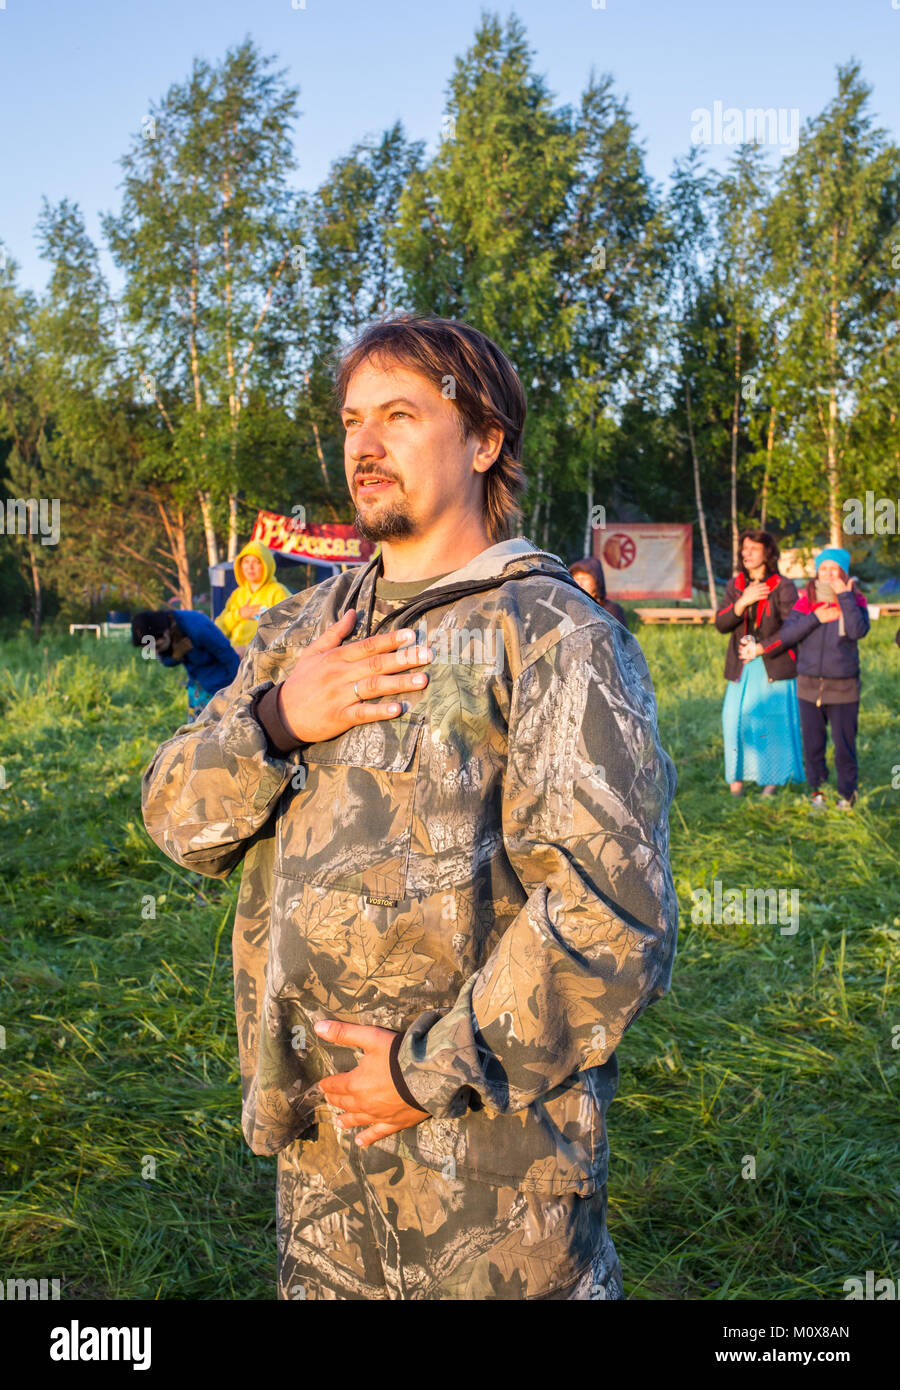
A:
(825, 625)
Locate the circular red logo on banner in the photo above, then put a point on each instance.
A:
(618, 551)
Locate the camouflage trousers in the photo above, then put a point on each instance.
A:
(358, 1223)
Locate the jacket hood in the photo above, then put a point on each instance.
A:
(506, 558)
(497, 559)
(489, 564)
(263, 553)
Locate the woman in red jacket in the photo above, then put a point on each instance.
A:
(760, 714)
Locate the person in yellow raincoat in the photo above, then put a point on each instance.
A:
(258, 589)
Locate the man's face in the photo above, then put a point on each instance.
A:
(753, 554)
(406, 462)
(164, 642)
(829, 571)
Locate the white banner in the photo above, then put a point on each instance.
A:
(645, 559)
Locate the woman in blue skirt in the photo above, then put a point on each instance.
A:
(760, 715)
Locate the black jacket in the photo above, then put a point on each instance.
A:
(762, 620)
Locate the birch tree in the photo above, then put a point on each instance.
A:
(207, 231)
(832, 224)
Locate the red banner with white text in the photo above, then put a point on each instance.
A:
(341, 544)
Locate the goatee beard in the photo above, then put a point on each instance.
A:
(389, 525)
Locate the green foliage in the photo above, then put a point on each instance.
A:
(204, 239)
(120, 1042)
(162, 420)
(831, 228)
(353, 277)
(481, 229)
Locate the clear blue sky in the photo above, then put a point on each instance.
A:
(77, 78)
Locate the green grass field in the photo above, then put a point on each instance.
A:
(120, 1048)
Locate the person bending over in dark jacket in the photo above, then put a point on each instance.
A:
(825, 625)
(190, 639)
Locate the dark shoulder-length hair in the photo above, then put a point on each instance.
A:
(486, 392)
(592, 566)
(152, 622)
(770, 550)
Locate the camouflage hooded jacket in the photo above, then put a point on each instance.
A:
(487, 872)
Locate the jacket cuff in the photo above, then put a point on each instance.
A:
(441, 1053)
(267, 711)
(397, 1077)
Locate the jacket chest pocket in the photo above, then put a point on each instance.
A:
(349, 826)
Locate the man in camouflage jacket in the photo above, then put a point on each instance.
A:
(476, 888)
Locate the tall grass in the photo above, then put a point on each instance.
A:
(125, 1173)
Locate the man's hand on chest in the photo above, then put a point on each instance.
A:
(335, 683)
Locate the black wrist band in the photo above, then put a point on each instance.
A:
(267, 713)
(397, 1077)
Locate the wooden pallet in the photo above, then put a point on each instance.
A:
(675, 615)
(706, 615)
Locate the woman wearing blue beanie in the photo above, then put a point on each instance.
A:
(826, 625)
(760, 718)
